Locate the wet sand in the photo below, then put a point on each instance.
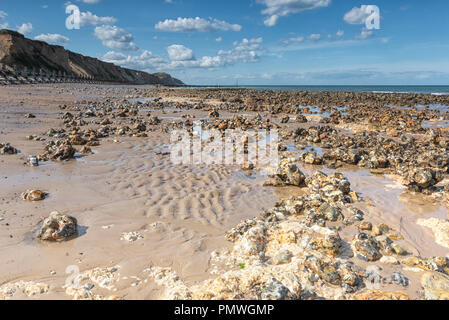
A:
(130, 185)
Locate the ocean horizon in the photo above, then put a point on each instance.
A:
(425, 89)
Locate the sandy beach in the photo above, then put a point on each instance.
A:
(151, 229)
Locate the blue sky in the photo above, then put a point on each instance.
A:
(253, 41)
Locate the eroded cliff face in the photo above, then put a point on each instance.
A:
(16, 50)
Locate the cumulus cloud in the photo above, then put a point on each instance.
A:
(281, 8)
(90, 1)
(52, 38)
(196, 25)
(25, 29)
(356, 16)
(364, 34)
(247, 50)
(179, 52)
(146, 60)
(181, 57)
(3, 15)
(88, 18)
(115, 38)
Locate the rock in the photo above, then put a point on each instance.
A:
(77, 140)
(336, 273)
(33, 161)
(283, 257)
(435, 285)
(311, 158)
(419, 179)
(380, 229)
(6, 148)
(85, 150)
(60, 150)
(381, 295)
(398, 250)
(153, 120)
(285, 119)
(357, 214)
(399, 279)
(34, 195)
(131, 236)
(330, 212)
(439, 264)
(366, 226)
(389, 260)
(254, 241)
(58, 227)
(301, 119)
(275, 290)
(214, 114)
(326, 270)
(287, 174)
(330, 244)
(366, 247)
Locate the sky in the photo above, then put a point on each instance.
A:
(252, 42)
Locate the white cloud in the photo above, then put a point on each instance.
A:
(25, 28)
(340, 33)
(88, 18)
(3, 15)
(115, 38)
(356, 16)
(364, 34)
(181, 57)
(196, 24)
(90, 1)
(281, 8)
(315, 36)
(293, 40)
(248, 50)
(178, 52)
(219, 39)
(146, 60)
(52, 38)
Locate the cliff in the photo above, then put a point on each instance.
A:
(18, 51)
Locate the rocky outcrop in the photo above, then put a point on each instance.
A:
(18, 52)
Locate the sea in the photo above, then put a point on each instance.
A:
(435, 90)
